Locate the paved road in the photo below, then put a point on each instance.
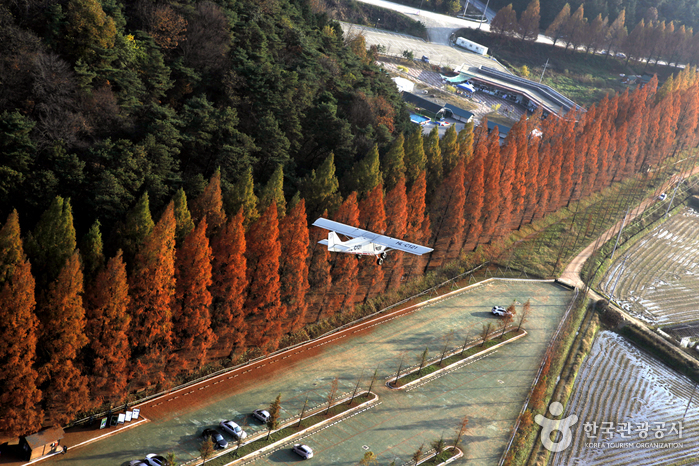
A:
(490, 391)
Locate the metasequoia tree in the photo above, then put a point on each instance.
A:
(476, 184)
(191, 315)
(137, 225)
(449, 147)
(19, 396)
(293, 266)
(396, 205)
(557, 28)
(528, 26)
(492, 192)
(228, 286)
(505, 21)
(91, 251)
(434, 161)
(107, 305)
(345, 266)
(319, 278)
(245, 199)
(372, 217)
(449, 209)
(152, 290)
(62, 316)
(418, 222)
(264, 309)
(508, 162)
(365, 175)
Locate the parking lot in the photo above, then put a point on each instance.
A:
(490, 390)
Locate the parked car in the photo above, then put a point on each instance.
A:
(234, 429)
(662, 196)
(156, 460)
(499, 311)
(425, 59)
(620, 55)
(261, 415)
(304, 451)
(216, 436)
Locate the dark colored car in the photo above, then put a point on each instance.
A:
(216, 436)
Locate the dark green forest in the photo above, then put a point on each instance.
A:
(116, 99)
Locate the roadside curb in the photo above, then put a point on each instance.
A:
(253, 455)
(452, 366)
(459, 454)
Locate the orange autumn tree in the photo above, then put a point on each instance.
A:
(152, 286)
(508, 163)
(319, 277)
(107, 305)
(63, 336)
(228, 286)
(20, 410)
(418, 223)
(372, 217)
(449, 217)
(345, 266)
(293, 267)
(476, 184)
(396, 205)
(191, 316)
(265, 312)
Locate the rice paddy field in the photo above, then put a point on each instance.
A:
(630, 410)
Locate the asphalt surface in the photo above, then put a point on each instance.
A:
(490, 390)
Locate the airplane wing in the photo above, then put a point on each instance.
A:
(387, 241)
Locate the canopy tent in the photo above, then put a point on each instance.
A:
(466, 87)
(404, 84)
(457, 79)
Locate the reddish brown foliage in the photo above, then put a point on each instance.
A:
(228, 287)
(191, 315)
(345, 266)
(293, 268)
(449, 228)
(152, 286)
(209, 204)
(372, 217)
(418, 223)
(396, 205)
(107, 329)
(63, 335)
(265, 311)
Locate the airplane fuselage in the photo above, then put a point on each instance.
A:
(360, 245)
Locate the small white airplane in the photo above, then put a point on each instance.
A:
(364, 242)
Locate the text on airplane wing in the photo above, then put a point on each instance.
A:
(400, 245)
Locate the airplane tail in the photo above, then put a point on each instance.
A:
(333, 239)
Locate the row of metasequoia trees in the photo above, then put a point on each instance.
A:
(650, 40)
(201, 284)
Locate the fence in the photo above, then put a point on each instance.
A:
(547, 357)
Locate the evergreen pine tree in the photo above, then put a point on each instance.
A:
(393, 166)
(52, 242)
(415, 159)
(183, 218)
(449, 146)
(320, 189)
(91, 250)
(274, 192)
(366, 174)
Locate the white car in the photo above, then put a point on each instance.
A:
(156, 460)
(261, 415)
(304, 451)
(234, 429)
(662, 196)
(499, 311)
